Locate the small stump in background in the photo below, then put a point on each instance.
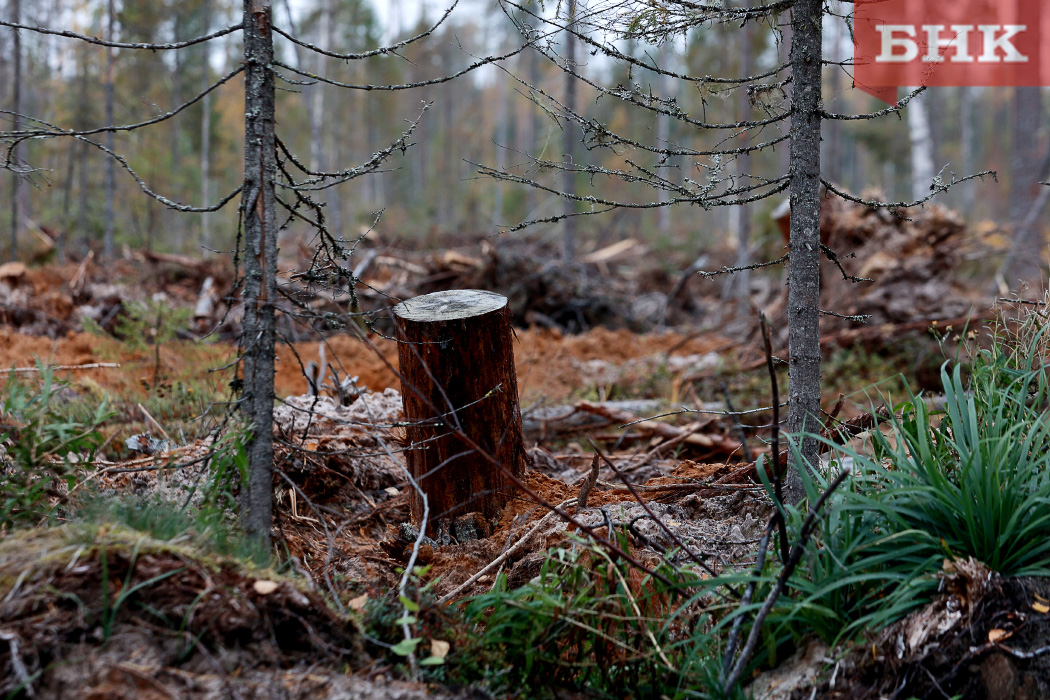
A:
(457, 372)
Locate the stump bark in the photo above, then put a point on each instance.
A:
(457, 375)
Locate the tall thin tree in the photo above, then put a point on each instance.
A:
(570, 137)
(259, 229)
(804, 268)
(111, 182)
(17, 183)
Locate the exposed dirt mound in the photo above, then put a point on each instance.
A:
(982, 637)
(97, 613)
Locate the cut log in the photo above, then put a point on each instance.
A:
(457, 382)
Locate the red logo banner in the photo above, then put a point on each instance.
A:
(901, 43)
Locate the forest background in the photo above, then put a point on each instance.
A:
(485, 118)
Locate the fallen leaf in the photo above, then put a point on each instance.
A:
(439, 648)
(392, 491)
(263, 587)
(1041, 607)
(359, 602)
(997, 634)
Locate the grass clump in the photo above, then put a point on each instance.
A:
(969, 478)
(589, 621)
(41, 448)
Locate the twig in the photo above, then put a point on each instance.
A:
(760, 562)
(676, 487)
(789, 568)
(153, 421)
(774, 388)
(21, 673)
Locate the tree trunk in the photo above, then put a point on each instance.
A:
(532, 124)
(1025, 262)
(457, 374)
(206, 136)
(804, 275)
(502, 133)
(737, 286)
(260, 263)
(663, 136)
(111, 186)
(967, 152)
(921, 138)
(17, 183)
(569, 233)
(833, 162)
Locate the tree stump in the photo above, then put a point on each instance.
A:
(457, 374)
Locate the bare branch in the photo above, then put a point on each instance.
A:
(124, 44)
(58, 131)
(382, 51)
(404, 86)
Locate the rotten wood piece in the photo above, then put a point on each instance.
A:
(457, 374)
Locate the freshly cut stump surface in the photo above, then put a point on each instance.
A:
(457, 379)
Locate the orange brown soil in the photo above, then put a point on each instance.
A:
(179, 361)
(548, 363)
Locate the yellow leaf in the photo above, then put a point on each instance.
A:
(997, 634)
(1041, 607)
(359, 602)
(439, 648)
(263, 587)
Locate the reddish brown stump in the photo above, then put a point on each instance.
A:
(457, 374)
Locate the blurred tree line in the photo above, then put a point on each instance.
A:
(484, 118)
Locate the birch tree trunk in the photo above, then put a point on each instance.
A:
(111, 185)
(804, 275)
(502, 134)
(921, 138)
(737, 285)
(968, 148)
(260, 264)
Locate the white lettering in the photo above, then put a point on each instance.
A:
(891, 42)
(959, 41)
(992, 43)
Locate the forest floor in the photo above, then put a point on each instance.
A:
(93, 609)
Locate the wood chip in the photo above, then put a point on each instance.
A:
(263, 587)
